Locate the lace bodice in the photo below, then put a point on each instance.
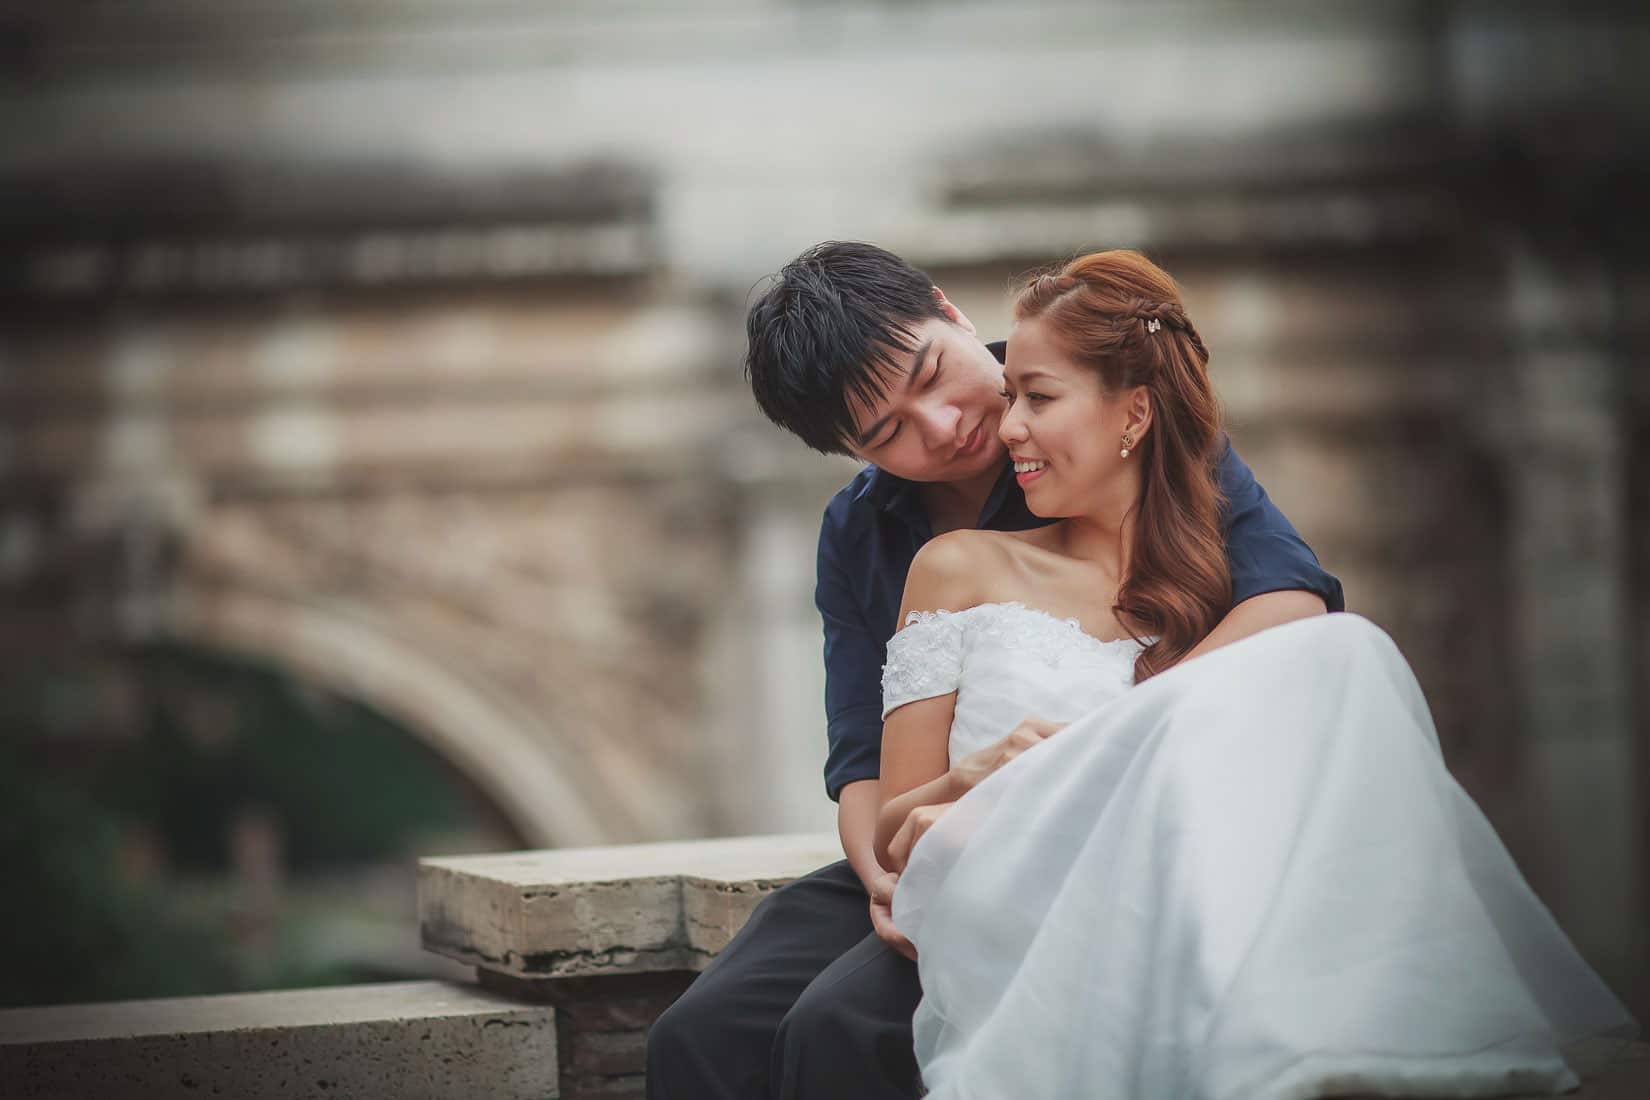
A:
(1005, 661)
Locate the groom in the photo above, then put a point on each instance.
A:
(857, 352)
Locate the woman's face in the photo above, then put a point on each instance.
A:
(1062, 432)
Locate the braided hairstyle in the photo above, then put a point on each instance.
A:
(1121, 315)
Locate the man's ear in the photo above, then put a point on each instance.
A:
(952, 313)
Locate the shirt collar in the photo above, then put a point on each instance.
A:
(902, 498)
(1004, 491)
(893, 494)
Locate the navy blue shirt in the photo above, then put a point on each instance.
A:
(876, 524)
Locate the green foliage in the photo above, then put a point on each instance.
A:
(168, 747)
(220, 736)
(80, 931)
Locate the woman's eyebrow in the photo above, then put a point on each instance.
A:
(1033, 373)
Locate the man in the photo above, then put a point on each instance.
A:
(855, 351)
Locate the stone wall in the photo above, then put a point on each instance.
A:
(491, 519)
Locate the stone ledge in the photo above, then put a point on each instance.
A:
(630, 909)
(409, 1040)
(1627, 1077)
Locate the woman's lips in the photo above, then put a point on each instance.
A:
(971, 445)
(1028, 478)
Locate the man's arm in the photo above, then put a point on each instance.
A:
(1263, 549)
(853, 706)
(1259, 613)
(1275, 576)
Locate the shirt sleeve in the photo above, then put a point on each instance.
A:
(853, 666)
(1263, 549)
(924, 660)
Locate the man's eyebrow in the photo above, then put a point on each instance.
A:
(921, 353)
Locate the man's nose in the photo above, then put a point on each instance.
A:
(939, 425)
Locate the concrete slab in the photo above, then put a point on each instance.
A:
(407, 1040)
(627, 909)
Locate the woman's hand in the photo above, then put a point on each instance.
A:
(917, 822)
(882, 914)
(972, 769)
(922, 806)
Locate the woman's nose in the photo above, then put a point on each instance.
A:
(1010, 429)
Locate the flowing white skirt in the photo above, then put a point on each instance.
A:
(1252, 876)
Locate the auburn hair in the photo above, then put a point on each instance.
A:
(1121, 315)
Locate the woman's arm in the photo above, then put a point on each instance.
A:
(901, 824)
(915, 738)
(856, 827)
(915, 765)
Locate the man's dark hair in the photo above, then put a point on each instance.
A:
(827, 329)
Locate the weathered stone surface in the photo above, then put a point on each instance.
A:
(629, 1087)
(619, 910)
(601, 1024)
(610, 1053)
(615, 1012)
(401, 1040)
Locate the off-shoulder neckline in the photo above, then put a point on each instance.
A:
(1074, 624)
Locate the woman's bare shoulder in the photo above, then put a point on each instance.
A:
(957, 569)
(965, 551)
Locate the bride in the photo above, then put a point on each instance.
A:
(1247, 874)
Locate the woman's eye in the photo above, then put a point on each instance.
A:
(1035, 397)
(1006, 396)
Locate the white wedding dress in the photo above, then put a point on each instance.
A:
(1249, 877)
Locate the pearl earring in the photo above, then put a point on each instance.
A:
(1128, 441)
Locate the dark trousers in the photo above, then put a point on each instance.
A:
(806, 1003)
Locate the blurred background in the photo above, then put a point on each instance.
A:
(377, 478)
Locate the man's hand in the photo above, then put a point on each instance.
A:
(972, 769)
(882, 914)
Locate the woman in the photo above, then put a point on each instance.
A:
(1242, 875)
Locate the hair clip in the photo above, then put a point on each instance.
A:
(1153, 325)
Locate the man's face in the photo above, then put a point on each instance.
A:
(938, 419)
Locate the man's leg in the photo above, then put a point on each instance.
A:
(714, 1042)
(850, 1032)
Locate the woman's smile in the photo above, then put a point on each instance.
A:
(1027, 470)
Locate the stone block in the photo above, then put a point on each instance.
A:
(601, 1024)
(628, 909)
(400, 1040)
(619, 1012)
(628, 1087)
(610, 1054)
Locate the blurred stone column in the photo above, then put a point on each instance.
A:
(771, 683)
(1566, 468)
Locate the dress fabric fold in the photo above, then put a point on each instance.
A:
(1250, 876)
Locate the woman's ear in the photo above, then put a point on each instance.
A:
(1139, 420)
(952, 313)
